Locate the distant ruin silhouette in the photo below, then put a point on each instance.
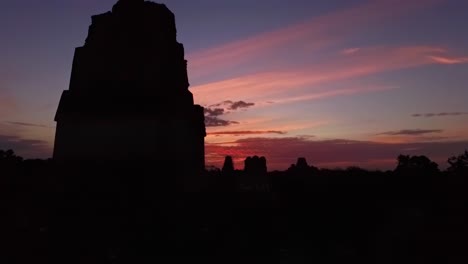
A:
(128, 97)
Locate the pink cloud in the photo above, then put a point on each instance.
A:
(303, 81)
(350, 51)
(315, 33)
(333, 93)
(446, 60)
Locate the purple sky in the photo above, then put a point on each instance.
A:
(338, 82)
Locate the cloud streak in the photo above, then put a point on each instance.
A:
(449, 61)
(350, 51)
(213, 112)
(247, 132)
(232, 105)
(212, 121)
(318, 32)
(307, 80)
(240, 104)
(441, 114)
(26, 124)
(27, 148)
(411, 132)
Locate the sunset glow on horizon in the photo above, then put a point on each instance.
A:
(340, 83)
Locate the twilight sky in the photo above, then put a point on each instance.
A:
(339, 82)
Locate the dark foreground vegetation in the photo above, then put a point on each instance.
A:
(137, 213)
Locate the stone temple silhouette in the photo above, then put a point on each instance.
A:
(128, 97)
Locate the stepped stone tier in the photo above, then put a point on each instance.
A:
(128, 97)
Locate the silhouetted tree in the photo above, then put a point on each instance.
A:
(458, 163)
(9, 157)
(416, 164)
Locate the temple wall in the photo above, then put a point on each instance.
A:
(127, 139)
(128, 97)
